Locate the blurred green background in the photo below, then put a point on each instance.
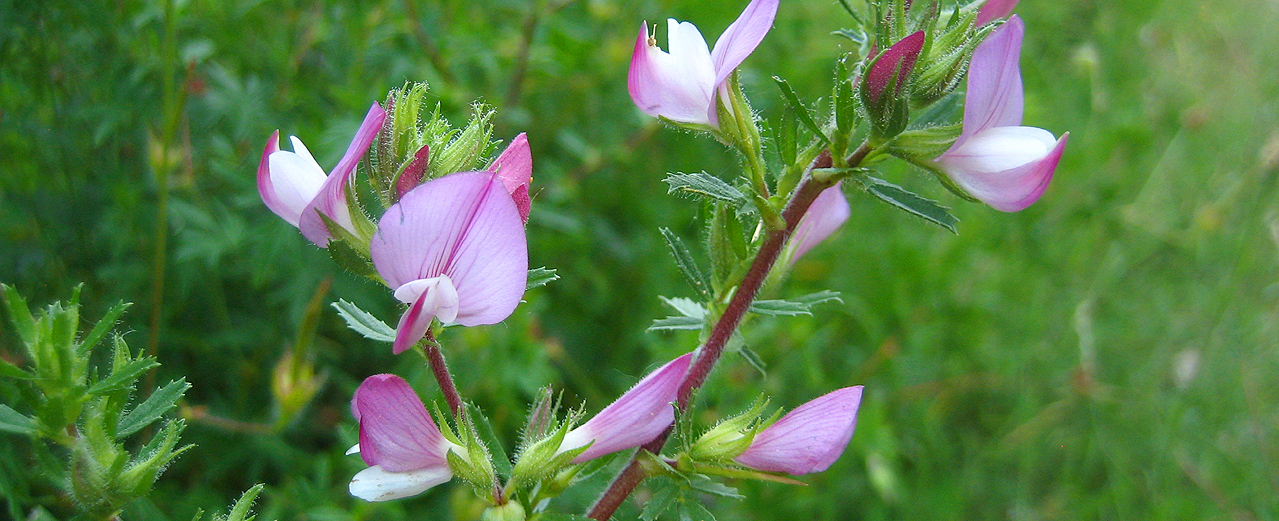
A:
(1109, 353)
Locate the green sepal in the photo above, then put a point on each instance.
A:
(363, 322)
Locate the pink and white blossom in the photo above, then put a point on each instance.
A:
(635, 418)
(683, 85)
(995, 159)
(403, 447)
(293, 185)
(827, 213)
(453, 249)
(809, 438)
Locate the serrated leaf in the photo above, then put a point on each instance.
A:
(19, 314)
(501, 462)
(796, 306)
(364, 323)
(905, 200)
(702, 184)
(152, 408)
(801, 110)
(104, 325)
(123, 377)
(677, 323)
(538, 277)
(15, 422)
(703, 483)
(687, 266)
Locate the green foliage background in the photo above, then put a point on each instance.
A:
(1109, 353)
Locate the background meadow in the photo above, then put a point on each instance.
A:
(1110, 353)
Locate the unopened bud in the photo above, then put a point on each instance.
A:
(884, 87)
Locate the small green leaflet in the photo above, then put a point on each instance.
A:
(796, 306)
(123, 377)
(801, 110)
(702, 184)
(909, 202)
(538, 277)
(684, 260)
(692, 316)
(363, 323)
(501, 462)
(150, 410)
(13, 421)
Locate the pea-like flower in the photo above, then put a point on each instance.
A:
(293, 185)
(403, 447)
(809, 438)
(995, 159)
(684, 84)
(635, 418)
(454, 249)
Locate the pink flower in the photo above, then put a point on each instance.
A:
(992, 10)
(636, 418)
(810, 438)
(515, 168)
(683, 85)
(827, 213)
(995, 159)
(403, 447)
(454, 249)
(293, 185)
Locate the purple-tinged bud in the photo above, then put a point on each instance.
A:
(810, 438)
(884, 86)
(413, 172)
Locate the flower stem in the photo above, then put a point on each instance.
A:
(442, 375)
(630, 477)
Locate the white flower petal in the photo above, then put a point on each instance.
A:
(376, 484)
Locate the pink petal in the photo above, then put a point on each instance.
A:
(464, 226)
(827, 213)
(810, 438)
(332, 198)
(515, 168)
(676, 85)
(993, 10)
(1008, 190)
(635, 418)
(742, 37)
(994, 97)
(396, 432)
(265, 188)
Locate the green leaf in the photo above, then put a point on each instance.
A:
(15, 422)
(23, 323)
(240, 510)
(911, 203)
(501, 462)
(686, 307)
(123, 377)
(13, 371)
(104, 325)
(347, 256)
(684, 260)
(753, 359)
(364, 323)
(538, 277)
(702, 184)
(703, 483)
(673, 323)
(796, 306)
(801, 110)
(152, 408)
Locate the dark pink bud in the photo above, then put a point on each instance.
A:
(413, 172)
(893, 67)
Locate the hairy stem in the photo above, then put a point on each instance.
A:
(440, 369)
(631, 476)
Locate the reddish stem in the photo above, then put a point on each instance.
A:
(630, 477)
(441, 370)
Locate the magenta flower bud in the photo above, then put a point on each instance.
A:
(413, 172)
(992, 10)
(685, 84)
(454, 249)
(995, 159)
(636, 418)
(883, 86)
(514, 166)
(293, 185)
(827, 213)
(810, 438)
(403, 447)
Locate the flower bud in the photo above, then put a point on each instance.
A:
(512, 511)
(732, 436)
(884, 87)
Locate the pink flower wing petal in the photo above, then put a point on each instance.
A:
(827, 213)
(331, 200)
(635, 418)
(677, 85)
(396, 432)
(809, 438)
(1014, 189)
